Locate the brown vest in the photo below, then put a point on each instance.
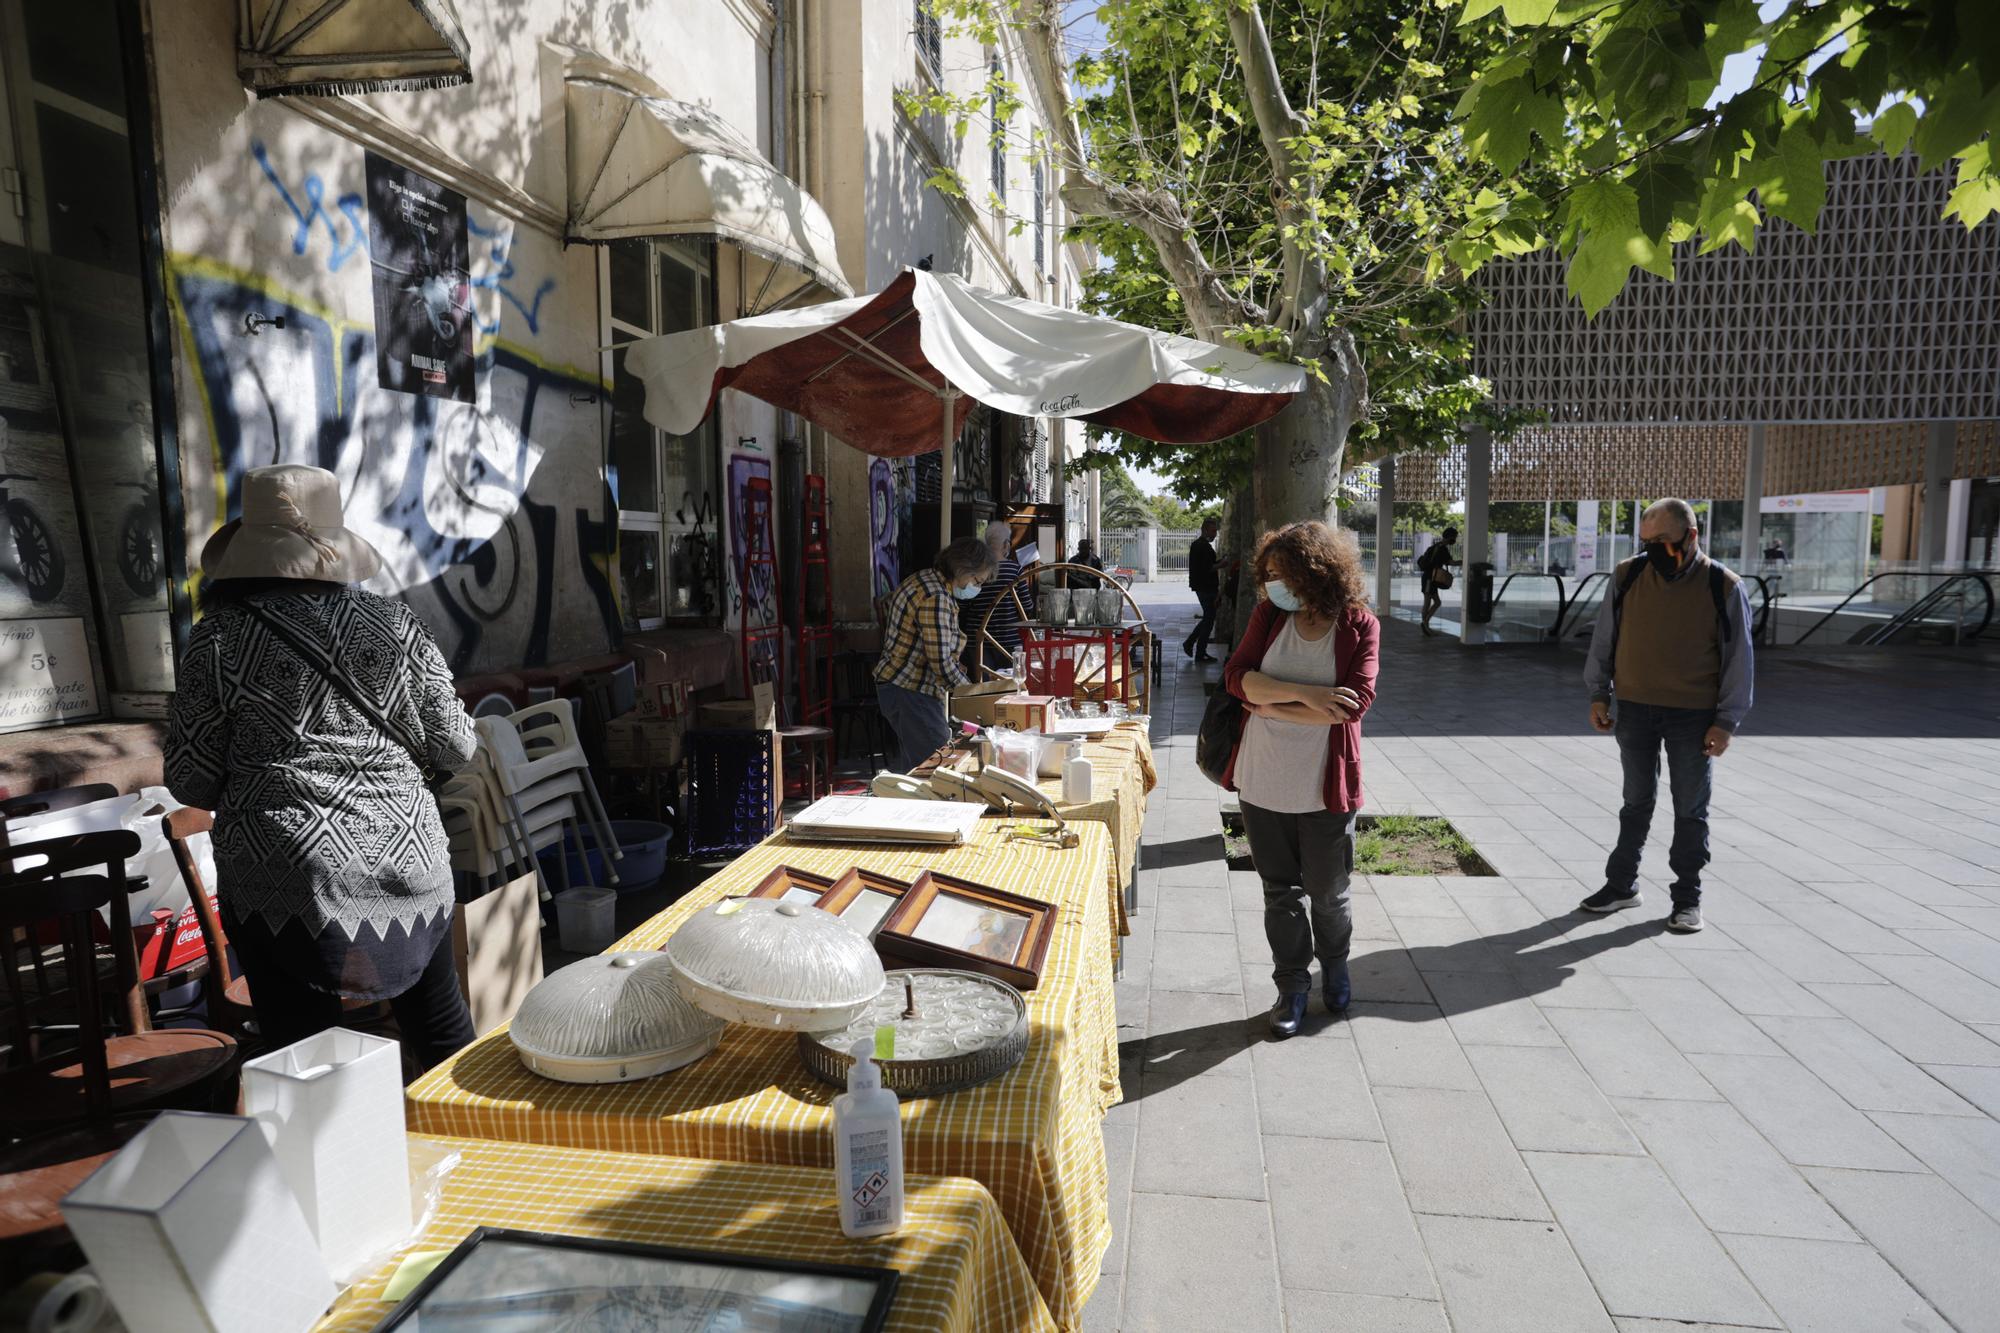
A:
(1669, 639)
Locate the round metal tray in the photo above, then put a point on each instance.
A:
(969, 1029)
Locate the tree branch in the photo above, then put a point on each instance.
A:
(1213, 310)
(1301, 303)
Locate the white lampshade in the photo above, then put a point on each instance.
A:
(775, 965)
(191, 1226)
(610, 1019)
(332, 1107)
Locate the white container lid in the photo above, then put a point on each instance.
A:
(610, 1019)
(775, 965)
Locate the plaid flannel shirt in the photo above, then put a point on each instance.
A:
(921, 640)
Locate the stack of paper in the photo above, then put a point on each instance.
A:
(886, 819)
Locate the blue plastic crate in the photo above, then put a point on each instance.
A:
(731, 806)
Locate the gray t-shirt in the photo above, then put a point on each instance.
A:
(1281, 766)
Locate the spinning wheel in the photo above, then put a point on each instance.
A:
(1112, 674)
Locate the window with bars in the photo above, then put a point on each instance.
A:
(997, 138)
(930, 38)
(1041, 216)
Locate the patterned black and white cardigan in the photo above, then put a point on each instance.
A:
(321, 819)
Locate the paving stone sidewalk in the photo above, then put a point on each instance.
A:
(1538, 1121)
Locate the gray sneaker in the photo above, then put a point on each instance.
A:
(1684, 920)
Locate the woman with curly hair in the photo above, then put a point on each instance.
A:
(1305, 671)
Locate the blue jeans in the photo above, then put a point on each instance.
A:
(1643, 730)
(917, 721)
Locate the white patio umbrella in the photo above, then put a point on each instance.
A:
(896, 373)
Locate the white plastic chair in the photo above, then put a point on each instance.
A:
(550, 741)
(539, 799)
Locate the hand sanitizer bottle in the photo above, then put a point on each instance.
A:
(867, 1150)
(1077, 775)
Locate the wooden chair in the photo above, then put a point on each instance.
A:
(856, 714)
(74, 1108)
(14, 940)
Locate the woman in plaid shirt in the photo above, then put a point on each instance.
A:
(921, 647)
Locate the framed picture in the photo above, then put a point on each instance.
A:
(790, 885)
(944, 921)
(528, 1281)
(864, 898)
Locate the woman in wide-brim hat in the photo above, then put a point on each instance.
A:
(307, 715)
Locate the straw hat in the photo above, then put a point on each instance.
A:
(292, 528)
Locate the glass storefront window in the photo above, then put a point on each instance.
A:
(85, 628)
(667, 485)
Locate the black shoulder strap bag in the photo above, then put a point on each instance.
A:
(1221, 722)
(322, 662)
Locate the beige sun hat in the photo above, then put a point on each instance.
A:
(292, 528)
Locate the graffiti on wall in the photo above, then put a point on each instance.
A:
(762, 584)
(443, 489)
(883, 527)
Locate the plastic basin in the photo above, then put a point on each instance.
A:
(645, 845)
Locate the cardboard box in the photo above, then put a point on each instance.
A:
(759, 711)
(1024, 712)
(654, 665)
(668, 701)
(644, 743)
(497, 940)
(978, 703)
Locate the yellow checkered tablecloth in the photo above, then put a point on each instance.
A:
(1122, 776)
(959, 1267)
(1034, 1138)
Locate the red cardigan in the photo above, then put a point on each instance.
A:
(1357, 643)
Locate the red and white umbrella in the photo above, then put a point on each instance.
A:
(896, 373)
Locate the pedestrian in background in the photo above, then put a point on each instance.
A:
(1434, 567)
(1306, 671)
(307, 716)
(1672, 649)
(1004, 626)
(922, 645)
(1085, 556)
(1207, 590)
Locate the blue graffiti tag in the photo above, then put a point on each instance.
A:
(496, 278)
(351, 206)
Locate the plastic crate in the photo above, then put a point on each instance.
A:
(731, 803)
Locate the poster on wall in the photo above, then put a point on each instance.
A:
(1586, 539)
(45, 673)
(422, 264)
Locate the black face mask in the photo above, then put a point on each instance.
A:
(1664, 557)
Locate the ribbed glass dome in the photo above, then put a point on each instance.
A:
(610, 1019)
(775, 965)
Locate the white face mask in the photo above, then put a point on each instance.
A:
(1282, 596)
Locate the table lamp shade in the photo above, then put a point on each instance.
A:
(191, 1226)
(332, 1108)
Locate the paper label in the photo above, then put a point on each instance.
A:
(45, 673)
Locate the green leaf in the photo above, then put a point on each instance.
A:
(1794, 183)
(1498, 128)
(1528, 13)
(1736, 221)
(1977, 194)
(1650, 70)
(1478, 9)
(1951, 121)
(1667, 192)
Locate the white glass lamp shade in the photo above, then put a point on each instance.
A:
(611, 1019)
(775, 965)
(332, 1107)
(191, 1226)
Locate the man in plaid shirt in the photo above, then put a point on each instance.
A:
(921, 647)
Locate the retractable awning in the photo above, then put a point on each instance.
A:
(326, 48)
(897, 373)
(646, 165)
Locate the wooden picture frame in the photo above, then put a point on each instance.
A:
(789, 884)
(945, 921)
(865, 899)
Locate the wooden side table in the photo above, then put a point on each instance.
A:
(816, 743)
